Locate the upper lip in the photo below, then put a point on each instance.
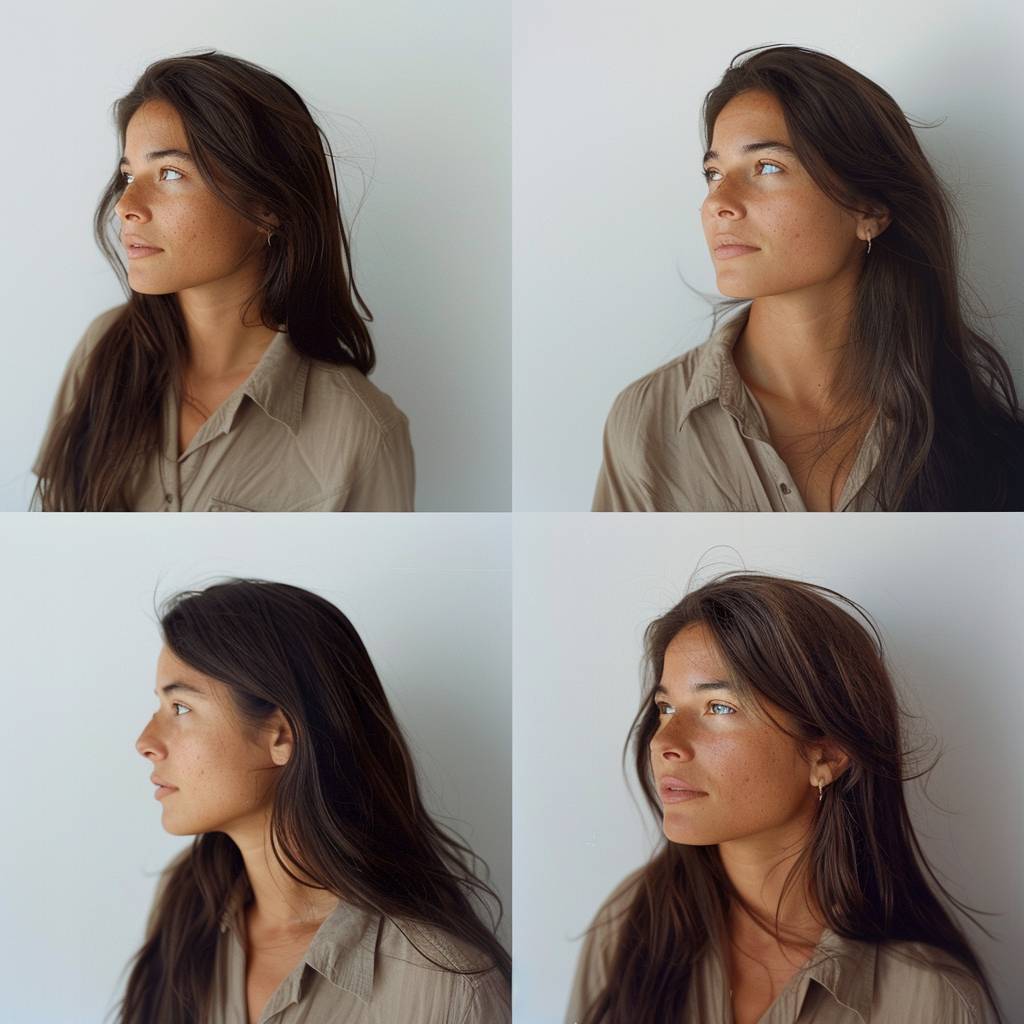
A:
(721, 240)
(127, 240)
(670, 782)
(160, 782)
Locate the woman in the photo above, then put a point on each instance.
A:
(790, 889)
(318, 887)
(179, 400)
(852, 380)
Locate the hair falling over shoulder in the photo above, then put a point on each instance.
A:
(282, 162)
(347, 811)
(952, 428)
(818, 656)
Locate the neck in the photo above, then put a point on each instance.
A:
(280, 904)
(219, 344)
(792, 345)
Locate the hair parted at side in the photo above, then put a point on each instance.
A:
(256, 146)
(818, 656)
(346, 813)
(952, 429)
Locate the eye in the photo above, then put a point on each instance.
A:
(716, 704)
(708, 171)
(175, 704)
(664, 708)
(126, 174)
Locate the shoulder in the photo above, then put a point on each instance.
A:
(330, 384)
(445, 965)
(93, 333)
(931, 981)
(656, 397)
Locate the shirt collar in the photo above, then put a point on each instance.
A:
(277, 385)
(343, 949)
(715, 375)
(846, 967)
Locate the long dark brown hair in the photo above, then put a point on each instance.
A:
(794, 644)
(346, 813)
(256, 145)
(952, 431)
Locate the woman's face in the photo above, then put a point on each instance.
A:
(752, 777)
(221, 776)
(169, 206)
(764, 198)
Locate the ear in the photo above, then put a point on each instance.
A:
(827, 762)
(872, 222)
(280, 738)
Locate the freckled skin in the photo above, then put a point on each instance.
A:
(805, 239)
(759, 789)
(224, 777)
(211, 252)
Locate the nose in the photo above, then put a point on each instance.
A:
(669, 744)
(723, 202)
(149, 744)
(131, 206)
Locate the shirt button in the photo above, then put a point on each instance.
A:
(169, 498)
(784, 488)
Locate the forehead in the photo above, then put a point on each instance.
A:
(749, 117)
(156, 122)
(692, 652)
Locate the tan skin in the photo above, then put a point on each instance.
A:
(225, 777)
(212, 260)
(761, 802)
(802, 280)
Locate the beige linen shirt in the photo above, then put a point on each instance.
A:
(690, 437)
(361, 969)
(299, 435)
(843, 982)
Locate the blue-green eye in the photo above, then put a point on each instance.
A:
(664, 708)
(708, 171)
(715, 704)
(127, 174)
(175, 704)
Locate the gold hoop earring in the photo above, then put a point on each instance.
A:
(869, 243)
(819, 791)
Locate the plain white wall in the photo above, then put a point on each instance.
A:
(947, 594)
(607, 185)
(416, 99)
(429, 595)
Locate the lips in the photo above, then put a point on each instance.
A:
(670, 784)
(137, 242)
(161, 783)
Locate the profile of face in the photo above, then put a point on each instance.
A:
(762, 197)
(218, 776)
(168, 206)
(750, 774)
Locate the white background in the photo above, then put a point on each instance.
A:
(944, 590)
(607, 185)
(82, 840)
(420, 103)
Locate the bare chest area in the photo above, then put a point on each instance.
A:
(266, 967)
(758, 979)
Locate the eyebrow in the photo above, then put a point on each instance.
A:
(718, 684)
(753, 147)
(159, 154)
(184, 687)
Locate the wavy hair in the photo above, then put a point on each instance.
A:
(255, 145)
(951, 427)
(346, 809)
(796, 645)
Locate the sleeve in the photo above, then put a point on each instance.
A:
(619, 488)
(490, 1001)
(388, 482)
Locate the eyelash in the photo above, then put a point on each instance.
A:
(660, 704)
(760, 163)
(125, 174)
